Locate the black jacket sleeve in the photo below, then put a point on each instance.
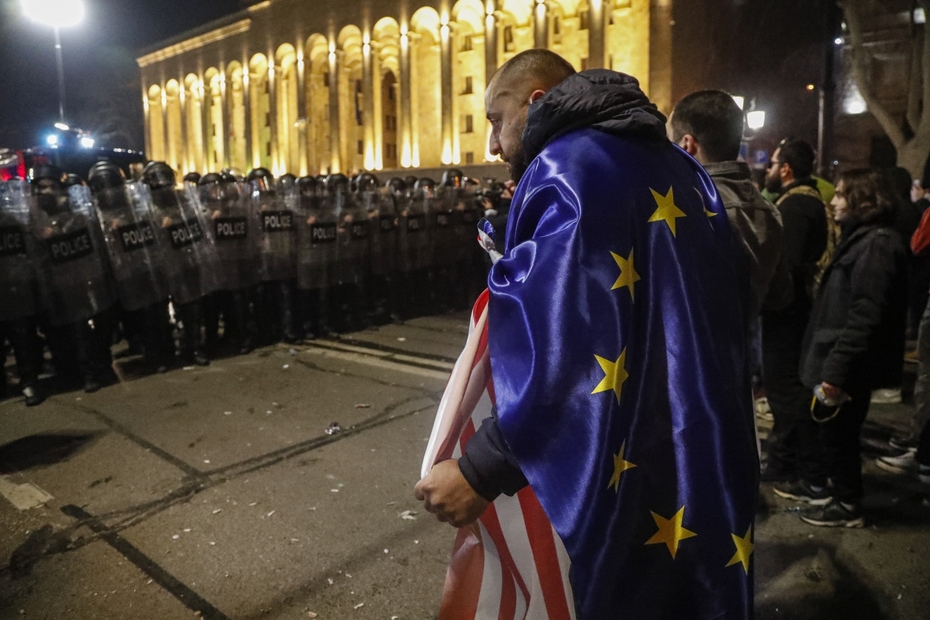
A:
(488, 464)
(872, 279)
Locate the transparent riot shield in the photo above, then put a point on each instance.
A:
(441, 218)
(135, 249)
(17, 254)
(189, 247)
(317, 237)
(413, 235)
(235, 232)
(75, 279)
(382, 235)
(277, 235)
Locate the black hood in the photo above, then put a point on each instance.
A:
(605, 100)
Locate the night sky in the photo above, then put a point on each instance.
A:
(101, 77)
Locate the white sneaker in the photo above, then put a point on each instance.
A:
(886, 396)
(906, 464)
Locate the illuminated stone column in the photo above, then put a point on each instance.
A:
(446, 96)
(206, 124)
(166, 147)
(226, 102)
(302, 115)
(596, 32)
(490, 41)
(277, 163)
(247, 104)
(406, 92)
(148, 122)
(368, 107)
(540, 27)
(335, 147)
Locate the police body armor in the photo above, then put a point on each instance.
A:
(134, 246)
(317, 235)
(17, 254)
(190, 250)
(382, 227)
(75, 279)
(235, 231)
(414, 232)
(277, 233)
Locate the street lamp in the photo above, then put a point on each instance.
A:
(57, 14)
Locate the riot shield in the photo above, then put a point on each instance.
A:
(135, 249)
(75, 279)
(277, 235)
(317, 236)
(17, 253)
(190, 250)
(235, 232)
(413, 235)
(441, 222)
(382, 235)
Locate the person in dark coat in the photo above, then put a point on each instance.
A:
(854, 343)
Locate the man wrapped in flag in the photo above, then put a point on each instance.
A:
(603, 394)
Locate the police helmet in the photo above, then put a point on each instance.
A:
(396, 184)
(158, 174)
(424, 183)
(46, 172)
(366, 182)
(72, 179)
(453, 177)
(307, 185)
(337, 182)
(261, 180)
(105, 175)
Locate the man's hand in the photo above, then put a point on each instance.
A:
(445, 492)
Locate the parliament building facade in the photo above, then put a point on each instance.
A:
(311, 87)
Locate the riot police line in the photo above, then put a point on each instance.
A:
(218, 264)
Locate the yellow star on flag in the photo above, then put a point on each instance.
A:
(628, 276)
(620, 466)
(744, 549)
(667, 211)
(671, 532)
(614, 375)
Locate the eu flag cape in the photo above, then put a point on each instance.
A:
(619, 374)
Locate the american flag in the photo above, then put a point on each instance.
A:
(511, 564)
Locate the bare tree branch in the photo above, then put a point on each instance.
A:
(881, 114)
(914, 89)
(923, 129)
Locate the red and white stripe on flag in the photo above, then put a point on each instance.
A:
(511, 564)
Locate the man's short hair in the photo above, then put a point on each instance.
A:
(798, 154)
(715, 121)
(548, 68)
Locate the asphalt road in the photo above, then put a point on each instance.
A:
(217, 492)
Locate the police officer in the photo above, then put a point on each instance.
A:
(228, 206)
(278, 258)
(20, 306)
(190, 256)
(377, 206)
(137, 260)
(77, 289)
(317, 237)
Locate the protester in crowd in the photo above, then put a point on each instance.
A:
(854, 344)
(804, 242)
(617, 246)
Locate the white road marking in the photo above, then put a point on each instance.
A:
(22, 496)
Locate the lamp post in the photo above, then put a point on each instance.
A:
(58, 14)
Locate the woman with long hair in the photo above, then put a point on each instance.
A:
(854, 344)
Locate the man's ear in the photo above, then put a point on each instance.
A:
(689, 144)
(536, 94)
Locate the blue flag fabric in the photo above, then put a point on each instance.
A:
(620, 377)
